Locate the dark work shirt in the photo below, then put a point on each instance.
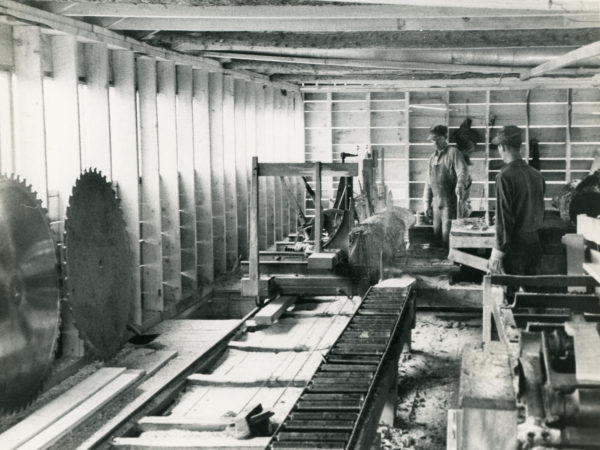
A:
(519, 202)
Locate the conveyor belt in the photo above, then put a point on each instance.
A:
(335, 406)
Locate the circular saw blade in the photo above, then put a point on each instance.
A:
(29, 294)
(99, 284)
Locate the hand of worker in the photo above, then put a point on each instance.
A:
(495, 265)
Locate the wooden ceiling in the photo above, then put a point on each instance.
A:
(368, 42)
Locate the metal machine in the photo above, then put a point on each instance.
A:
(98, 281)
(29, 294)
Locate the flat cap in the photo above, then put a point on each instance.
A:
(438, 130)
(509, 135)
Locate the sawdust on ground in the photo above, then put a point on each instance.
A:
(428, 381)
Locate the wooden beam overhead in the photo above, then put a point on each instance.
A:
(572, 57)
(538, 5)
(309, 84)
(288, 43)
(377, 64)
(192, 24)
(278, 12)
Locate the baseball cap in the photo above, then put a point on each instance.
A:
(438, 130)
(510, 135)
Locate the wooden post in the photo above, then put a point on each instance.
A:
(169, 181)
(317, 227)
(229, 175)
(407, 147)
(61, 104)
(486, 321)
(568, 147)
(123, 126)
(486, 189)
(269, 150)
(187, 182)
(260, 152)
(241, 174)
(254, 269)
(216, 150)
(203, 177)
(62, 123)
(527, 120)
(7, 150)
(151, 251)
(250, 145)
(28, 112)
(96, 151)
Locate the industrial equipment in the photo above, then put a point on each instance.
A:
(99, 284)
(29, 294)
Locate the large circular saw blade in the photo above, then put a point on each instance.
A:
(29, 294)
(99, 283)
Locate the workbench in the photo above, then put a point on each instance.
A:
(472, 233)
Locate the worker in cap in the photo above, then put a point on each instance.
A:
(447, 177)
(519, 209)
(466, 140)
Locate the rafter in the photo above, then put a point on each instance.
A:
(351, 25)
(374, 64)
(228, 41)
(177, 10)
(572, 57)
(536, 5)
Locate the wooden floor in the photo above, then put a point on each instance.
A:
(268, 366)
(180, 344)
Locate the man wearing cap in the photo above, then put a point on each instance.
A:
(519, 209)
(447, 177)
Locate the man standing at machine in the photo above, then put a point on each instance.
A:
(519, 209)
(447, 178)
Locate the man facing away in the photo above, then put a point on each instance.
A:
(447, 178)
(519, 209)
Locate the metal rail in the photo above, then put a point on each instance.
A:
(340, 402)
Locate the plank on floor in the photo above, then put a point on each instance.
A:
(53, 411)
(82, 412)
(201, 441)
(271, 312)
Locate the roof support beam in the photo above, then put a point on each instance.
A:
(377, 64)
(277, 12)
(467, 84)
(539, 5)
(572, 57)
(348, 25)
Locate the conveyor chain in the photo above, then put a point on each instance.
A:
(341, 394)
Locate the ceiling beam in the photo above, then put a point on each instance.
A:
(464, 84)
(572, 57)
(526, 57)
(366, 63)
(349, 25)
(228, 41)
(277, 12)
(541, 5)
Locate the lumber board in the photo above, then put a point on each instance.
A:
(576, 302)
(587, 350)
(589, 228)
(572, 57)
(157, 423)
(544, 280)
(467, 259)
(229, 173)
(323, 260)
(53, 411)
(307, 169)
(275, 308)
(212, 442)
(83, 411)
(244, 381)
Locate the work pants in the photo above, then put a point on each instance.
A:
(525, 255)
(442, 220)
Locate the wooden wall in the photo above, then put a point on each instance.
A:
(566, 122)
(175, 139)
